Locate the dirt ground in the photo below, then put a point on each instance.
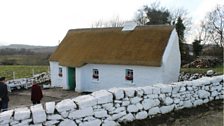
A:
(21, 98)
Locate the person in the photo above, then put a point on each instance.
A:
(4, 98)
(36, 93)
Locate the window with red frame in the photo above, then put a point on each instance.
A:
(129, 75)
(96, 74)
(60, 72)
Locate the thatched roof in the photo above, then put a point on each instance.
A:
(144, 45)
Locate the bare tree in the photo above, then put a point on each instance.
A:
(115, 22)
(214, 26)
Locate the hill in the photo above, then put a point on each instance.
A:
(18, 54)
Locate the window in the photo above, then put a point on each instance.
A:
(95, 74)
(129, 75)
(60, 72)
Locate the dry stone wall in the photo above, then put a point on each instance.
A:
(116, 105)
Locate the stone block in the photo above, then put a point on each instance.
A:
(66, 105)
(22, 113)
(38, 114)
(50, 107)
(141, 115)
(67, 122)
(85, 101)
(103, 96)
(81, 113)
(166, 109)
(117, 92)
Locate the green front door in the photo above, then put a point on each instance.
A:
(71, 78)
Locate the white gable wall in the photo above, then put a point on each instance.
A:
(171, 59)
(56, 80)
(114, 76)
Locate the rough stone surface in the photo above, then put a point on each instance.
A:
(50, 107)
(85, 101)
(67, 122)
(66, 105)
(141, 115)
(38, 113)
(22, 113)
(103, 96)
(81, 113)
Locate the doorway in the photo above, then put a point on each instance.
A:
(71, 78)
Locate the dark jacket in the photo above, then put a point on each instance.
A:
(4, 92)
(36, 93)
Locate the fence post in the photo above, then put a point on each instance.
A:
(33, 72)
(14, 75)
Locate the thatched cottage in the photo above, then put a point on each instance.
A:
(102, 58)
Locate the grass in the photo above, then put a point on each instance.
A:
(219, 70)
(21, 71)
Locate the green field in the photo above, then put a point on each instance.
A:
(21, 71)
(219, 70)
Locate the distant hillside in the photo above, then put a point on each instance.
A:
(36, 49)
(18, 54)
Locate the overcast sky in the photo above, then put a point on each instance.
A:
(46, 22)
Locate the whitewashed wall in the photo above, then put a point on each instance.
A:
(171, 61)
(114, 76)
(113, 106)
(56, 80)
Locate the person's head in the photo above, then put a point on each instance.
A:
(34, 82)
(2, 79)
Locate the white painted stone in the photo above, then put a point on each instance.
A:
(140, 106)
(54, 117)
(168, 101)
(129, 92)
(110, 123)
(132, 108)
(154, 111)
(81, 113)
(214, 93)
(176, 100)
(162, 97)
(203, 94)
(153, 96)
(141, 115)
(125, 103)
(187, 104)
(166, 109)
(149, 103)
(118, 110)
(156, 90)
(205, 101)
(210, 72)
(117, 92)
(14, 122)
(117, 116)
(85, 101)
(64, 114)
(50, 107)
(217, 79)
(198, 102)
(26, 121)
(65, 105)
(51, 123)
(147, 90)
(100, 113)
(182, 89)
(67, 122)
(21, 113)
(95, 122)
(38, 113)
(89, 118)
(139, 91)
(127, 118)
(108, 106)
(103, 96)
(164, 88)
(6, 116)
(175, 88)
(135, 100)
(189, 88)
